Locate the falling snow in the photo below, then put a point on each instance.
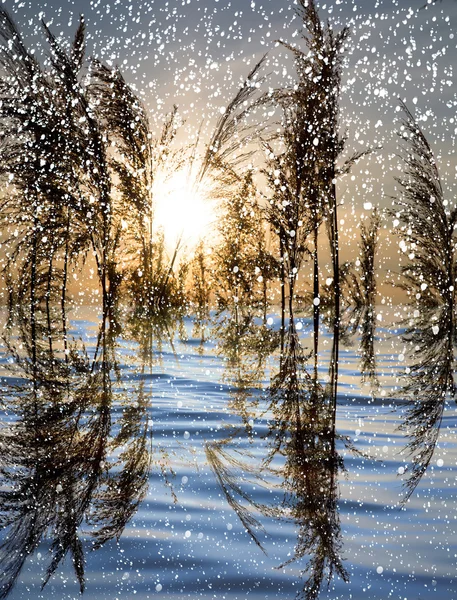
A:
(228, 251)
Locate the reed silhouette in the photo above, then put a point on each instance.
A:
(359, 292)
(302, 174)
(425, 222)
(140, 165)
(426, 227)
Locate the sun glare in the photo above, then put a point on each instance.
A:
(182, 212)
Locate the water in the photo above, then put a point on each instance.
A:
(172, 461)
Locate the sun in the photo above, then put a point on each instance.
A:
(182, 211)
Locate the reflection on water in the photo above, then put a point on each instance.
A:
(301, 454)
(79, 444)
(57, 467)
(304, 432)
(429, 382)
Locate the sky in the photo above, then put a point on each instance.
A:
(195, 53)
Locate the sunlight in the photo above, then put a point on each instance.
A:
(181, 211)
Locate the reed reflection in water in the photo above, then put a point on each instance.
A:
(78, 448)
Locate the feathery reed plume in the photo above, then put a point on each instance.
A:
(231, 132)
(426, 227)
(138, 161)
